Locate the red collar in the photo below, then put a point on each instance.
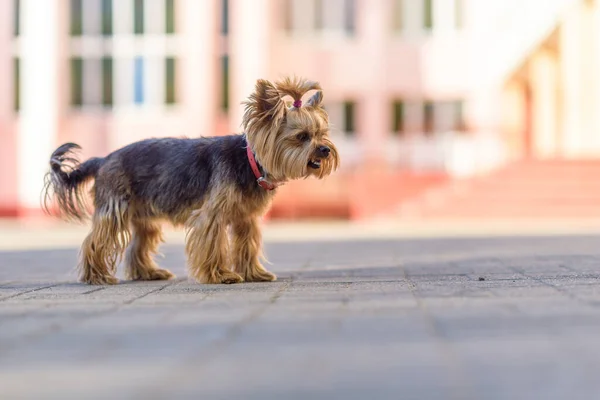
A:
(262, 182)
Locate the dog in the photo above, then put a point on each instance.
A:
(218, 188)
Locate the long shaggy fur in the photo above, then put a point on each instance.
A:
(296, 87)
(272, 128)
(204, 184)
(146, 237)
(65, 181)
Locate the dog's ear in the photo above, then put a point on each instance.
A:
(267, 97)
(265, 104)
(315, 100)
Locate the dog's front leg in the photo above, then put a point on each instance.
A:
(206, 248)
(246, 250)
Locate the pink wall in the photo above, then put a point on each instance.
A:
(8, 168)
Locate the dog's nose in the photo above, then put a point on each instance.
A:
(324, 151)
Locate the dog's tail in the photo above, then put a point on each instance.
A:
(65, 182)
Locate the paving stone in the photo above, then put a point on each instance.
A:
(441, 318)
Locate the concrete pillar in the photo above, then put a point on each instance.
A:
(374, 107)
(570, 45)
(513, 119)
(579, 137)
(595, 53)
(8, 179)
(543, 77)
(590, 140)
(39, 95)
(198, 80)
(249, 52)
(6, 62)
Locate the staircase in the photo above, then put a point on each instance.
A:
(535, 19)
(554, 189)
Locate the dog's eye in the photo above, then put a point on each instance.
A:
(302, 136)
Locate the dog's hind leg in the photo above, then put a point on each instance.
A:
(146, 237)
(246, 251)
(105, 244)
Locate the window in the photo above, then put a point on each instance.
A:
(428, 14)
(91, 77)
(458, 14)
(449, 115)
(91, 17)
(150, 16)
(107, 81)
(287, 15)
(17, 83)
(76, 17)
(91, 82)
(93, 68)
(76, 81)
(138, 17)
(459, 115)
(225, 17)
(170, 17)
(319, 16)
(107, 23)
(170, 80)
(335, 15)
(398, 117)
(442, 116)
(349, 118)
(398, 15)
(225, 83)
(16, 17)
(350, 18)
(428, 118)
(138, 80)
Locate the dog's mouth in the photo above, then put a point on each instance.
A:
(314, 164)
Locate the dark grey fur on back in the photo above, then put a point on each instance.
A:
(172, 174)
(169, 174)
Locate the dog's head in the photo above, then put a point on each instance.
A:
(290, 139)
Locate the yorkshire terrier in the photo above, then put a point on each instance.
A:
(217, 187)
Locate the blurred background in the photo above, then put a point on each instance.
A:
(442, 109)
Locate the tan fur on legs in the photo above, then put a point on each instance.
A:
(146, 238)
(246, 250)
(206, 248)
(104, 246)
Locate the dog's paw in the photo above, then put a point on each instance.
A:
(230, 277)
(260, 276)
(100, 280)
(223, 277)
(152, 274)
(161, 274)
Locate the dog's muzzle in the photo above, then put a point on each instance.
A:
(321, 153)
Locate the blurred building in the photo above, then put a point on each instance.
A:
(419, 91)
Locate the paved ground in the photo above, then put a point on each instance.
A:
(498, 318)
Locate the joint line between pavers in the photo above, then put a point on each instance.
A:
(214, 348)
(558, 289)
(12, 296)
(454, 365)
(55, 328)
